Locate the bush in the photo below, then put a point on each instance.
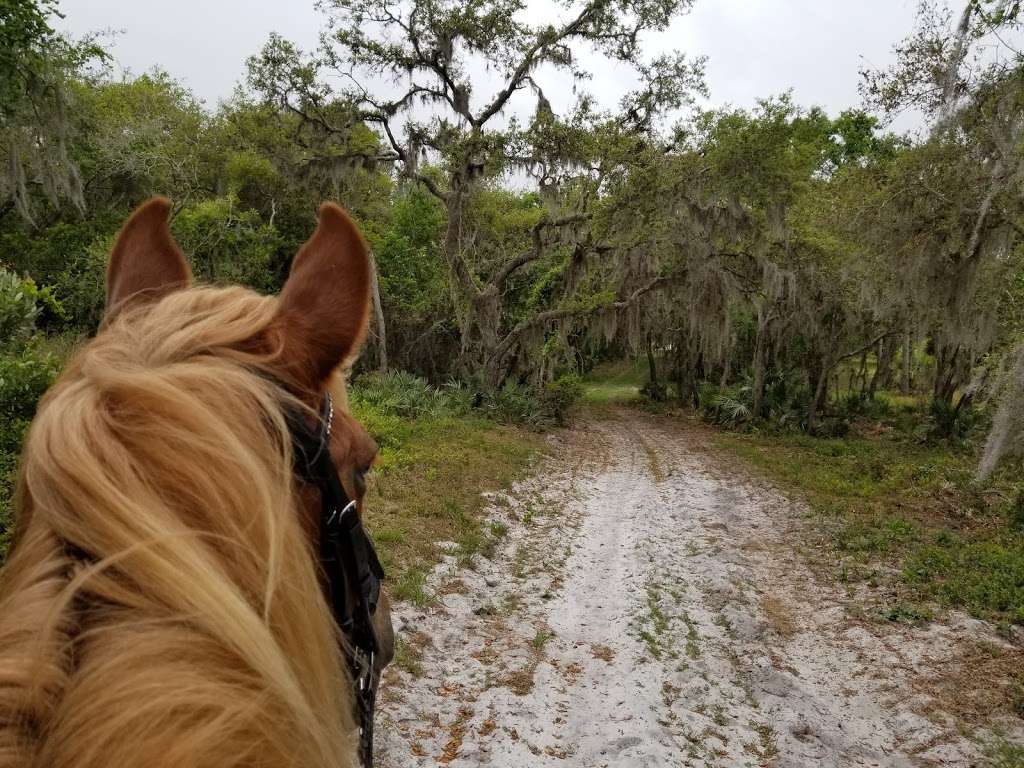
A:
(561, 395)
(397, 393)
(24, 377)
(227, 244)
(82, 284)
(950, 422)
(23, 307)
(512, 404)
(729, 408)
(655, 391)
(528, 406)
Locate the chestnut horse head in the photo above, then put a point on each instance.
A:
(163, 603)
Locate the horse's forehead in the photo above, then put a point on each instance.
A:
(351, 443)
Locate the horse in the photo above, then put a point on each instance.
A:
(164, 602)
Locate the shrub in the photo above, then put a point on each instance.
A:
(23, 306)
(24, 377)
(397, 393)
(512, 404)
(950, 422)
(561, 395)
(654, 390)
(227, 244)
(82, 284)
(729, 408)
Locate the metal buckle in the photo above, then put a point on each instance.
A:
(336, 515)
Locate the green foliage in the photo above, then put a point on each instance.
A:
(18, 308)
(227, 245)
(26, 39)
(560, 395)
(520, 404)
(985, 577)
(408, 255)
(36, 67)
(784, 404)
(27, 368)
(1001, 753)
(951, 421)
(912, 506)
(730, 410)
(404, 395)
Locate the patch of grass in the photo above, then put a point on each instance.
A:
(1004, 754)
(911, 508)
(411, 585)
(692, 637)
(654, 624)
(983, 573)
(408, 657)
(908, 613)
(541, 639)
(612, 383)
(767, 745)
(1017, 699)
(435, 462)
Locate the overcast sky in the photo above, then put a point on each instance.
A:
(755, 48)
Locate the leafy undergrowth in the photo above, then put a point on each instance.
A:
(908, 515)
(426, 488)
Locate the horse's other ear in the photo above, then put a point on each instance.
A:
(146, 264)
(325, 303)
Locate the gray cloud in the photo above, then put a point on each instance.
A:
(755, 48)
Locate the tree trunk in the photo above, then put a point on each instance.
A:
(759, 364)
(379, 327)
(947, 366)
(883, 367)
(652, 367)
(907, 361)
(819, 398)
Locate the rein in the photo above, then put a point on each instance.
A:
(349, 562)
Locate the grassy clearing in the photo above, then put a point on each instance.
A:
(611, 383)
(427, 485)
(905, 514)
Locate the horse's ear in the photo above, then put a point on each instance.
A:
(146, 263)
(325, 303)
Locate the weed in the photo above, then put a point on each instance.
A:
(408, 657)
(541, 639)
(411, 586)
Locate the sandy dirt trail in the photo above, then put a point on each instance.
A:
(648, 606)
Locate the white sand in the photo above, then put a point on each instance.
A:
(649, 607)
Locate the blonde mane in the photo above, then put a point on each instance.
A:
(161, 606)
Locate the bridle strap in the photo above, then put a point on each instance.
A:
(352, 570)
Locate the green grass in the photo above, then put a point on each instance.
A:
(427, 485)
(541, 639)
(1003, 754)
(912, 507)
(612, 383)
(408, 657)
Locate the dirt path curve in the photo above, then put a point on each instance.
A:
(647, 606)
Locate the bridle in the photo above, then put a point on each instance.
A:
(351, 569)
